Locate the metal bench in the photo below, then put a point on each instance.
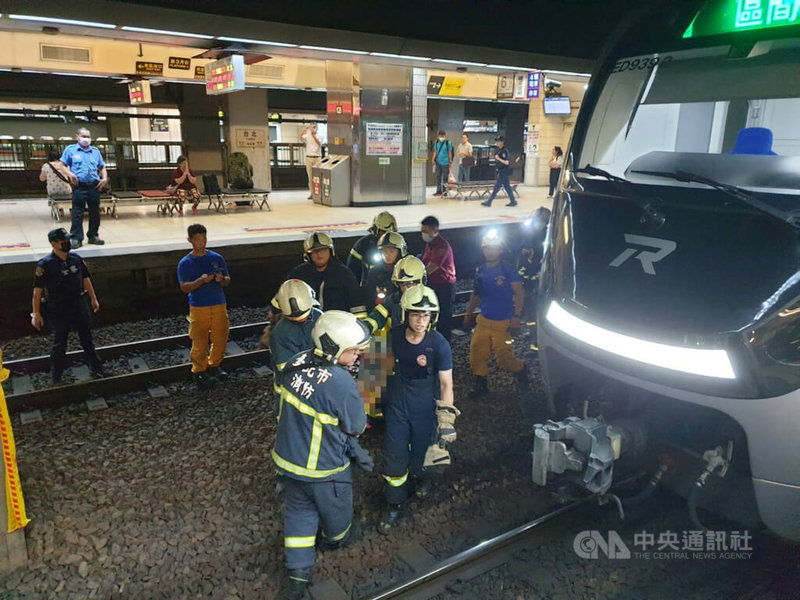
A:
(107, 204)
(252, 197)
(165, 203)
(476, 190)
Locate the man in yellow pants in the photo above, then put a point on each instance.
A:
(202, 274)
(498, 290)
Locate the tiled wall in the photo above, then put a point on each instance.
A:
(419, 117)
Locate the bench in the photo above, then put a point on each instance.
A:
(107, 204)
(253, 197)
(477, 190)
(164, 202)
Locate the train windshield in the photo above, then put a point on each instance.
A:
(729, 113)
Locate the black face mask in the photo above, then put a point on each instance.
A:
(65, 246)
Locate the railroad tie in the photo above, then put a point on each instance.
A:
(327, 589)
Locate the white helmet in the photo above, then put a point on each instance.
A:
(392, 239)
(409, 269)
(383, 221)
(295, 299)
(336, 331)
(317, 240)
(420, 298)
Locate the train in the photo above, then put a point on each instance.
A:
(669, 296)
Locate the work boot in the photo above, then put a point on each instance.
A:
(201, 380)
(480, 388)
(75, 243)
(353, 535)
(390, 518)
(96, 241)
(217, 373)
(295, 585)
(423, 486)
(523, 383)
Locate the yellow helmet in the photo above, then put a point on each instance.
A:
(295, 299)
(409, 269)
(383, 221)
(420, 298)
(317, 240)
(392, 239)
(336, 331)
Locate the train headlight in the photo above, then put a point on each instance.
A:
(698, 361)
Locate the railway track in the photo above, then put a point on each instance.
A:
(24, 397)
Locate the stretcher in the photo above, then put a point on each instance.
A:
(476, 190)
(252, 197)
(57, 204)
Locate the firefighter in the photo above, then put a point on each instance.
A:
(320, 415)
(392, 247)
(419, 408)
(364, 254)
(529, 265)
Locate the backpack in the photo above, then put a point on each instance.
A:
(240, 172)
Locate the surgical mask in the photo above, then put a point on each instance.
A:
(427, 237)
(441, 138)
(84, 141)
(66, 246)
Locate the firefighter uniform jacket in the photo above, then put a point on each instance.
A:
(320, 407)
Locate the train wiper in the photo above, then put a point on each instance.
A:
(740, 194)
(649, 212)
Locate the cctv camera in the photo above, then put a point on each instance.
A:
(552, 83)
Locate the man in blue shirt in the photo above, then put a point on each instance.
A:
(498, 290)
(442, 159)
(87, 173)
(503, 163)
(202, 274)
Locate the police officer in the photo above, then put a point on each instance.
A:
(498, 291)
(392, 247)
(529, 265)
(60, 288)
(333, 283)
(321, 411)
(364, 255)
(87, 170)
(292, 333)
(420, 397)
(503, 166)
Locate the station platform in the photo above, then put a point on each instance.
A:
(24, 222)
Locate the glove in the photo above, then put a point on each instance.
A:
(436, 456)
(357, 453)
(446, 416)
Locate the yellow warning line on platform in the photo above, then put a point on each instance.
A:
(305, 227)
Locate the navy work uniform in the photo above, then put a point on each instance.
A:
(364, 255)
(529, 265)
(321, 408)
(411, 406)
(85, 164)
(388, 312)
(67, 308)
(379, 281)
(288, 338)
(336, 288)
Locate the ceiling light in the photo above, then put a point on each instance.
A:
(549, 72)
(62, 21)
(402, 56)
(508, 68)
(249, 41)
(324, 49)
(697, 361)
(459, 62)
(201, 36)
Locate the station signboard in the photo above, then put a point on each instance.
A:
(144, 67)
(139, 92)
(180, 63)
(225, 75)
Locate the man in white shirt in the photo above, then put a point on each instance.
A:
(313, 152)
(464, 151)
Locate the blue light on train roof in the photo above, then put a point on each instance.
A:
(730, 16)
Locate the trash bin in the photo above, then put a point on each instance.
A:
(336, 181)
(316, 179)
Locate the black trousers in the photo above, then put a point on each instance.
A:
(62, 322)
(554, 175)
(83, 197)
(445, 292)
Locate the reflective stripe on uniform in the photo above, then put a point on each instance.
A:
(313, 451)
(383, 310)
(298, 470)
(340, 537)
(300, 542)
(356, 254)
(304, 408)
(360, 311)
(280, 366)
(396, 481)
(372, 323)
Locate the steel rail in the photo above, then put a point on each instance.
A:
(62, 395)
(41, 363)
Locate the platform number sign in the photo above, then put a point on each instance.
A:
(435, 83)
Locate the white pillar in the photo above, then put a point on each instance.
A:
(247, 114)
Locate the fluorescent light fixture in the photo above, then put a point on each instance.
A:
(249, 41)
(709, 363)
(201, 36)
(549, 72)
(401, 56)
(81, 75)
(325, 49)
(62, 21)
(508, 68)
(459, 62)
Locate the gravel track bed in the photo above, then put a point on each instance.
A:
(175, 498)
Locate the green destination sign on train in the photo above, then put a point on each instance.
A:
(727, 16)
